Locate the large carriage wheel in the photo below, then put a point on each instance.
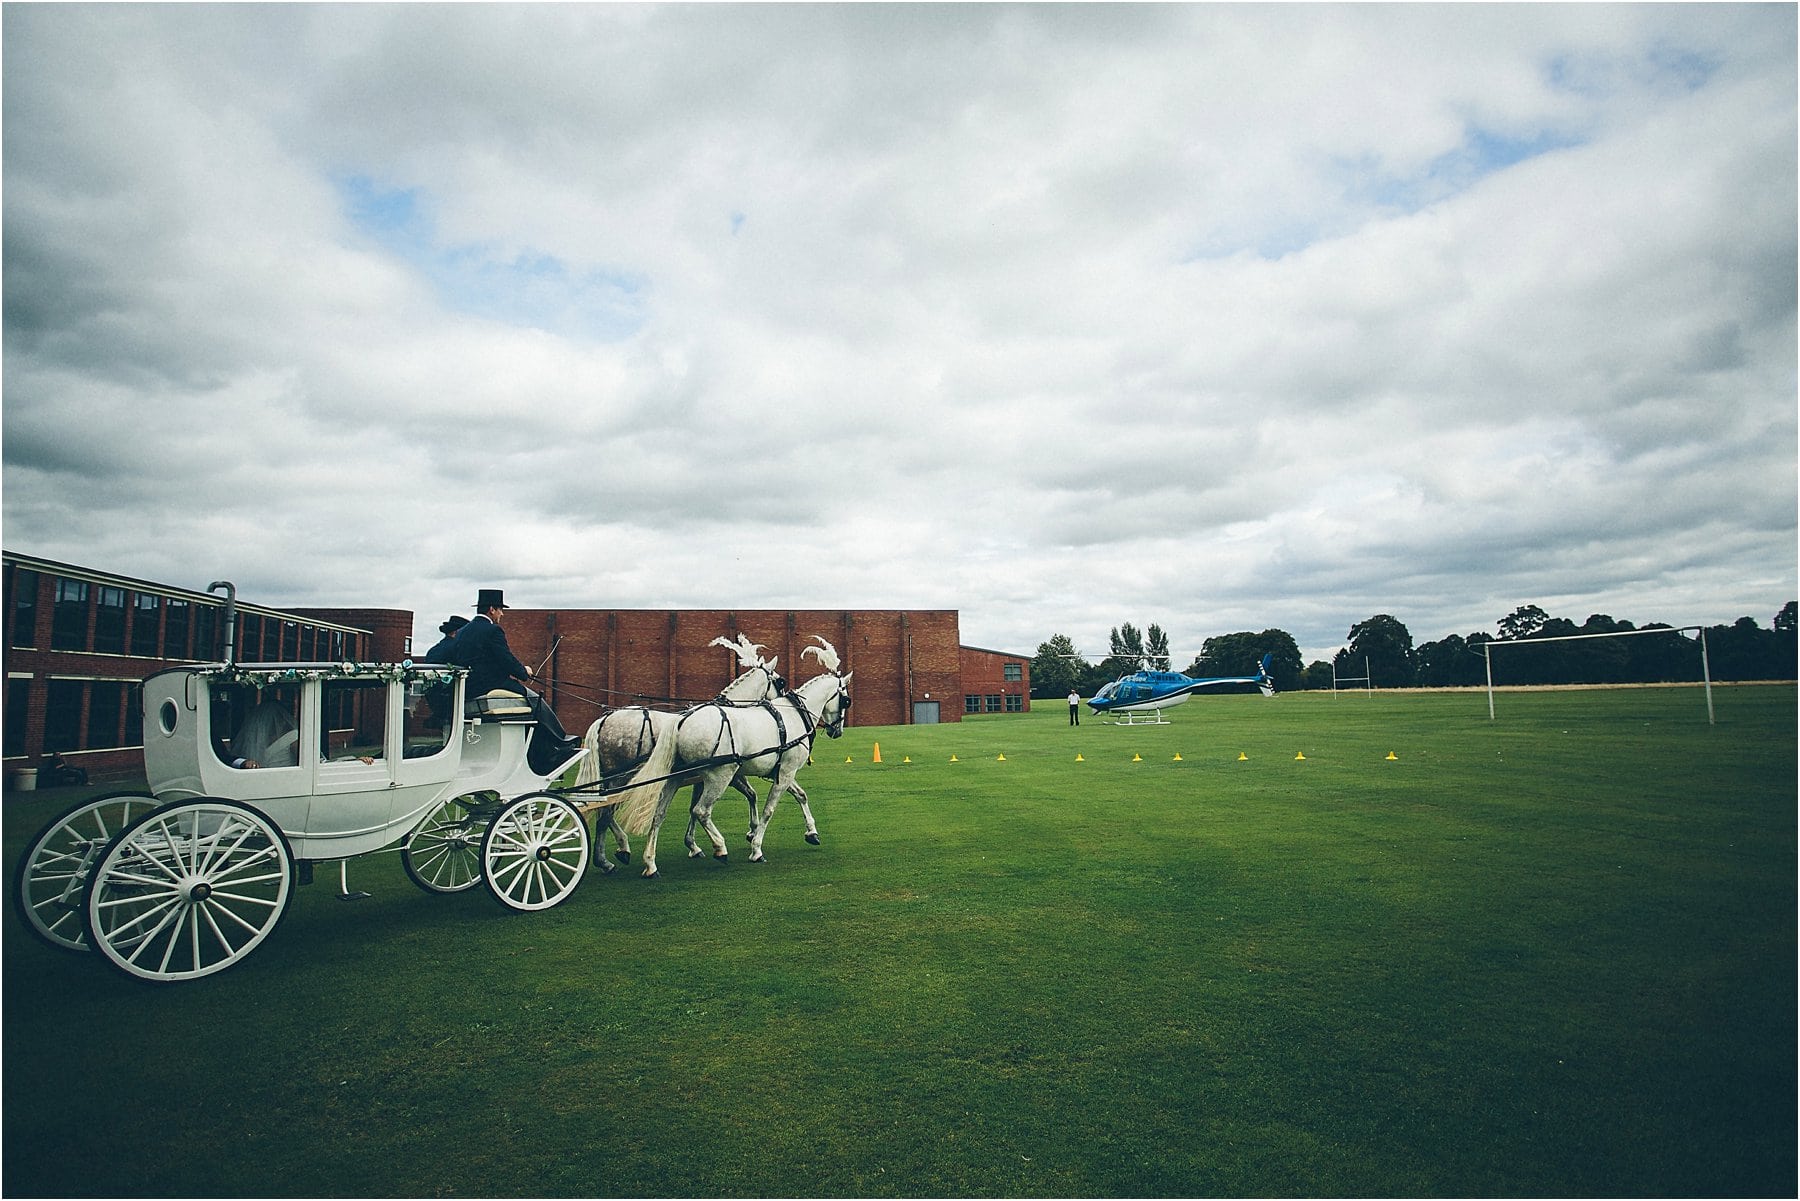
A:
(188, 889)
(48, 884)
(443, 853)
(534, 852)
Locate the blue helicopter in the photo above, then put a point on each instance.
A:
(1141, 695)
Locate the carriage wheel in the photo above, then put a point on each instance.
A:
(188, 889)
(443, 853)
(48, 884)
(534, 852)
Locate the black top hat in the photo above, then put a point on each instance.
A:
(490, 598)
(457, 621)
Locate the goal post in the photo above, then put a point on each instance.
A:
(1487, 649)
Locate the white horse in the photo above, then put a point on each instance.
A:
(620, 740)
(714, 743)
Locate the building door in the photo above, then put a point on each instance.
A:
(925, 713)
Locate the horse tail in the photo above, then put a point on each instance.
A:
(589, 771)
(634, 806)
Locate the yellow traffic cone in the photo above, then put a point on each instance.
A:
(1002, 759)
(848, 759)
(1137, 758)
(877, 758)
(906, 758)
(953, 758)
(1178, 756)
(1391, 755)
(1299, 755)
(1242, 756)
(1078, 757)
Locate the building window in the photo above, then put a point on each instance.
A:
(106, 706)
(1013, 673)
(25, 608)
(290, 641)
(993, 702)
(175, 631)
(205, 636)
(337, 646)
(69, 616)
(146, 617)
(109, 621)
(18, 709)
(62, 715)
(971, 703)
(309, 644)
(1015, 702)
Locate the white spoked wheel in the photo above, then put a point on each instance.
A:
(443, 853)
(534, 852)
(53, 874)
(188, 889)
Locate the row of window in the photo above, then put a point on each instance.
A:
(114, 621)
(994, 702)
(79, 715)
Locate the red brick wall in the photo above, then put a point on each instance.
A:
(633, 656)
(983, 673)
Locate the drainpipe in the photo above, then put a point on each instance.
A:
(230, 617)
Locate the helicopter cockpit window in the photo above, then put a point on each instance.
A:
(257, 727)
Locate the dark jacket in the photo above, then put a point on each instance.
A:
(481, 647)
(441, 652)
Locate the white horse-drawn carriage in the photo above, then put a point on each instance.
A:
(259, 772)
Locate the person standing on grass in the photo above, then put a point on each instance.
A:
(1074, 707)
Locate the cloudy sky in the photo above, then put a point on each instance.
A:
(1220, 317)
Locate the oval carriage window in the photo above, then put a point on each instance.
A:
(165, 717)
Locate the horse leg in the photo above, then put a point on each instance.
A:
(812, 827)
(597, 848)
(706, 795)
(784, 780)
(662, 809)
(742, 785)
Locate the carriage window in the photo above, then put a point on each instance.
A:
(355, 719)
(430, 707)
(257, 727)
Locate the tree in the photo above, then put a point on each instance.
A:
(1784, 620)
(1056, 668)
(1523, 622)
(1386, 645)
(1241, 655)
(1127, 652)
(1452, 662)
(1156, 648)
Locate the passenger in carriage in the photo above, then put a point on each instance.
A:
(440, 653)
(481, 647)
(269, 737)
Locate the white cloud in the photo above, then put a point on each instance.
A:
(1223, 317)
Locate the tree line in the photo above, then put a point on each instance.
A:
(1381, 649)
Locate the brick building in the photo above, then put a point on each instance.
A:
(995, 681)
(907, 662)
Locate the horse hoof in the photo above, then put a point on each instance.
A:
(695, 853)
(651, 875)
(722, 857)
(607, 869)
(757, 859)
(622, 856)
(813, 838)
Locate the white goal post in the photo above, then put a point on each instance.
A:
(1487, 649)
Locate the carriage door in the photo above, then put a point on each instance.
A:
(925, 713)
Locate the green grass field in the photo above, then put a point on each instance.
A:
(1552, 954)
